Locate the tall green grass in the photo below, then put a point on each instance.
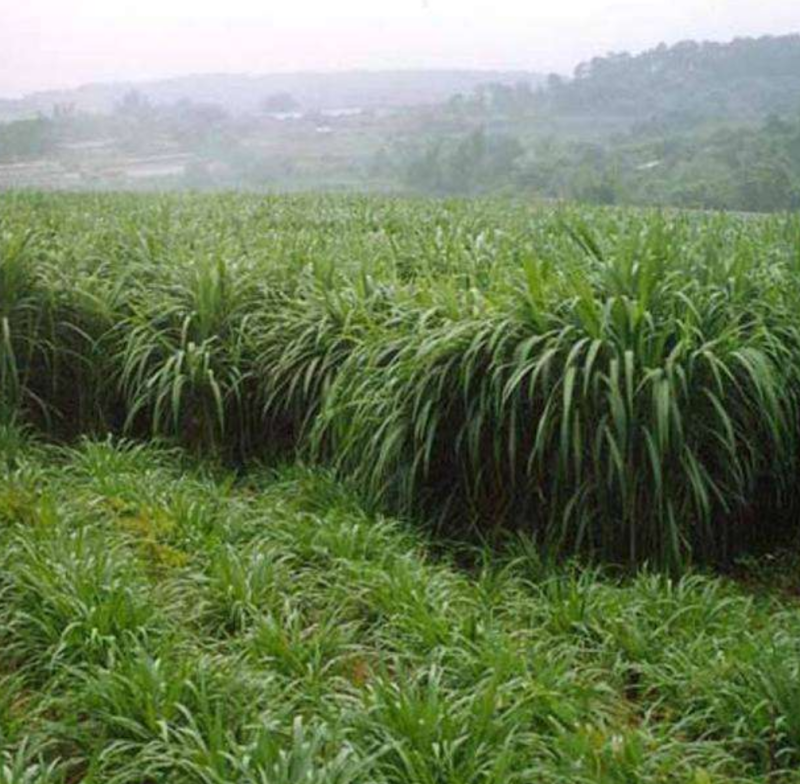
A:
(618, 384)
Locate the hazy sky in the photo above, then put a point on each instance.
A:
(60, 43)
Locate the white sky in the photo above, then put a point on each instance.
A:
(62, 43)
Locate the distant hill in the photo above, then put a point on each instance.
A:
(244, 94)
(747, 78)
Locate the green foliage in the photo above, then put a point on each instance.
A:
(24, 139)
(748, 77)
(619, 385)
(476, 163)
(704, 125)
(304, 639)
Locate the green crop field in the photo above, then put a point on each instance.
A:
(330, 490)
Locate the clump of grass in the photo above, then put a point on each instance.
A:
(181, 360)
(26, 315)
(24, 767)
(612, 406)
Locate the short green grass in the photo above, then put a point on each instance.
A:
(163, 620)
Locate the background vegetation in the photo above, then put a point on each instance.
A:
(701, 125)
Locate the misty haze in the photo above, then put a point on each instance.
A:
(400, 392)
(438, 98)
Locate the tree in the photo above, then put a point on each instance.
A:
(134, 104)
(27, 138)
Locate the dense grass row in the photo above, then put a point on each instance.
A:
(614, 383)
(169, 623)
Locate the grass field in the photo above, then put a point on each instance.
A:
(166, 621)
(333, 490)
(617, 384)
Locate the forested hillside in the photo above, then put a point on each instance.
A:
(689, 82)
(705, 125)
